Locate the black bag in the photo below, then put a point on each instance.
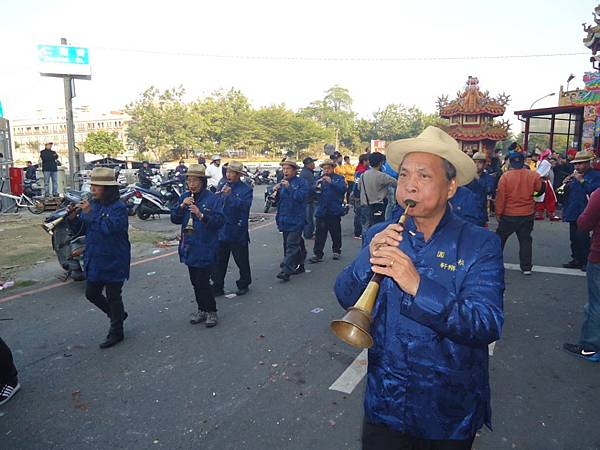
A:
(376, 210)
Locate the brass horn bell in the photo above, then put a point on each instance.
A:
(354, 328)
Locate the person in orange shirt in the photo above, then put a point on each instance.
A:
(347, 170)
(515, 206)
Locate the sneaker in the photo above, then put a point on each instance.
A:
(573, 264)
(315, 259)
(555, 219)
(578, 350)
(299, 270)
(283, 276)
(211, 319)
(198, 317)
(358, 237)
(526, 272)
(7, 391)
(337, 256)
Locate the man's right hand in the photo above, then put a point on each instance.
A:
(187, 202)
(392, 236)
(72, 211)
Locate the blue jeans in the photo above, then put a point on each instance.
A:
(54, 177)
(309, 228)
(590, 330)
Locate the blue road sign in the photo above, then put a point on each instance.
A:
(61, 60)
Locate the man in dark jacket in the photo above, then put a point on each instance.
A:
(180, 171)
(31, 171)
(291, 218)
(308, 173)
(145, 175)
(438, 307)
(236, 198)
(580, 185)
(329, 212)
(50, 169)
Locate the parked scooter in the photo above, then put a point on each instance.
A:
(271, 198)
(31, 188)
(153, 202)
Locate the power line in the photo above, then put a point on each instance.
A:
(339, 58)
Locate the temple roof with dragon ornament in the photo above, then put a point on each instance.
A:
(592, 40)
(472, 101)
(469, 133)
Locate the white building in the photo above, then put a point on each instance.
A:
(30, 134)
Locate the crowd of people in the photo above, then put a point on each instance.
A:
(441, 301)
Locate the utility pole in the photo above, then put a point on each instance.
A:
(69, 82)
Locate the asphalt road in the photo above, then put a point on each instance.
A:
(261, 378)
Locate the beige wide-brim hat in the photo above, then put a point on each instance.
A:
(289, 162)
(437, 142)
(197, 170)
(582, 156)
(479, 156)
(103, 176)
(328, 162)
(236, 166)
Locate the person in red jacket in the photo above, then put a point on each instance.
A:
(589, 340)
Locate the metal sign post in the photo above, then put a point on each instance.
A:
(68, 63)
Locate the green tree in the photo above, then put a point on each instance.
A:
(103, 143)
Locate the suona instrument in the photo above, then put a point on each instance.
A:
(354, 327)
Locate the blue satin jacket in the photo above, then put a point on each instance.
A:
(107, 248)
(291, 210)
(236, 210)
(199, 249)
(331, 199)
(428, 367)
(470, 203)
(577, 195)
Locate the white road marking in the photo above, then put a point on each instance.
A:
(352, 376)
(546, 269)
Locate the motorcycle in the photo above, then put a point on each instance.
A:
(31, 188)
(271, 198)
(263, 178)
(68, 244)
(152, 202)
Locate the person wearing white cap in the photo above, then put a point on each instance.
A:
(215, 173)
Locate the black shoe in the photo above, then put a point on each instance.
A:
(315, 259)
(112, 339)
(7, 391)
(573, 264)
(300, 269)
(578, 350)
(283, 276)
(583, 268)
(218, 292)
(242, 291)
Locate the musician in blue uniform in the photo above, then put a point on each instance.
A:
(438, 307)
(236, 199)
(199, 213)
(579, 186)
(104, 221)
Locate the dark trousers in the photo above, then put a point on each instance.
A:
(349, 190)
(8, 371)
(242, 260)
(381, 437)
(358, 219)
(200, 278)
(333, 226)
(309, 227)
(523, 226)
(111, 304)
(294, 251)
(580, 243)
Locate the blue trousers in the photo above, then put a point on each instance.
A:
(309, 228)
(54, 177)
(590, 330)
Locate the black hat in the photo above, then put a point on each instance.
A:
(308, 160)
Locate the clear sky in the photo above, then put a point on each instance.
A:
(307, 29)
